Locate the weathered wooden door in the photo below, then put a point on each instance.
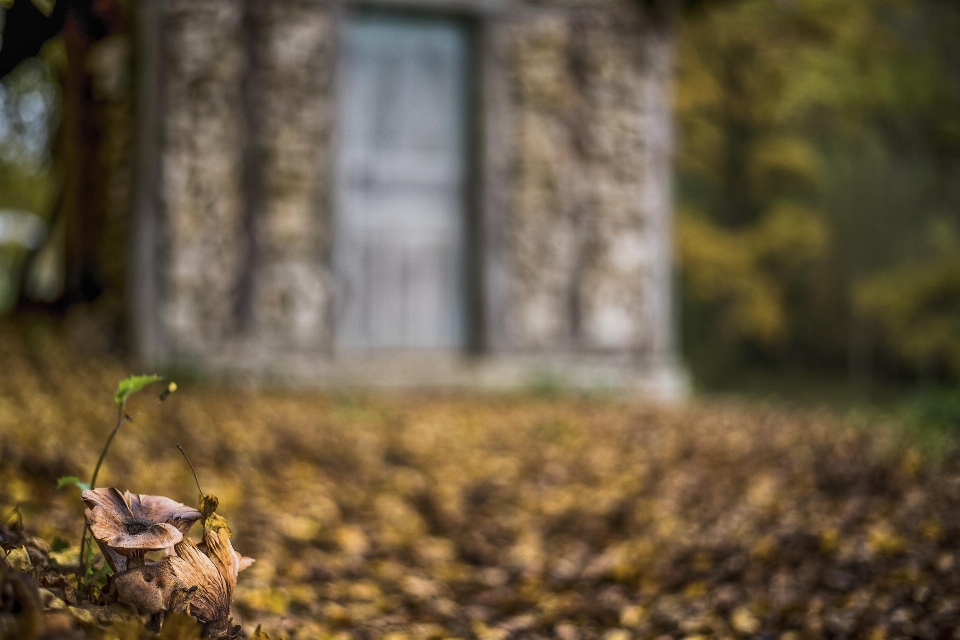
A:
(399, 252)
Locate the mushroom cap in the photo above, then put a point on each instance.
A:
(243, 562)
(117, 562)
(220, 551)
(163, 509)
(114, 523)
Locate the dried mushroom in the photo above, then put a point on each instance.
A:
(196, 582)
(214, 576)
(163, 509)
(127, 526)
(243, 562)
(149, 588)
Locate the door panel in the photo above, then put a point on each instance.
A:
(400, 221)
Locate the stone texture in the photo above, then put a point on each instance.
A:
(583, 147)
(293, 106)
(587, 195)
(543, 239)
(202, 170)
(613, 288)
(658, 316)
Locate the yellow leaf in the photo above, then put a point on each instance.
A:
(208, 505)
(216, 522)
(744, 622)
(19, 560)
(260, 634)
(179, 626)
(275, 601)
(931, 529)
(882, 540)
(632, 615)
(44, 6)
(829, 540)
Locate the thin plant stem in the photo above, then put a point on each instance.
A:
(180, 446)
(13, 512)
(122, 419)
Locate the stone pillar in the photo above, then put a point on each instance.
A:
(657, 338)
(201, 192)
(542, 235)
(291, 95)
(616, 279)
(589, 231)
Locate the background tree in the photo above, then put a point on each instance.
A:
(56, 153)
(819, 150)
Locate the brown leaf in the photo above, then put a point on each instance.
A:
(178, 626)
(214, 593)
(208, 505)
(223, 556)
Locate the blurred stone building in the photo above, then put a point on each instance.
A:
(421, 193)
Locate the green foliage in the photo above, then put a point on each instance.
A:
(71, 481)
(29, 180)
(819, 145)
(59, 544)
(917, 305)
(132, 385)
(745, 272)
(45, 6)
(546, 384)
(932, 421)
(937, 409)
(96, 576)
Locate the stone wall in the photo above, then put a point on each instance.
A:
(544, 239)
(249, 111)
(586, 229)
(291, 96)
(201, 184)
(247, 91)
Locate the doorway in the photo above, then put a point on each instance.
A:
(400, 247)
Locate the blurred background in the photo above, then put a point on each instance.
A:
(817, 190)
(818, 195)
(815, 241)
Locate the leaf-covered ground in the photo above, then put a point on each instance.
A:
(506, 517)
